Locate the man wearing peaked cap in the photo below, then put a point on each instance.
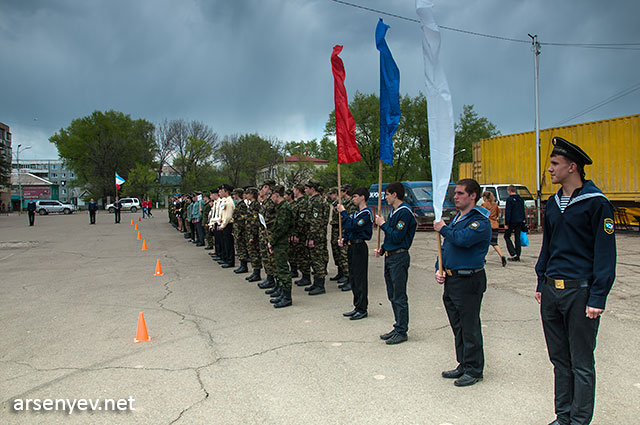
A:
(576, 270)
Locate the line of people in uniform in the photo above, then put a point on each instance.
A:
(284, 232)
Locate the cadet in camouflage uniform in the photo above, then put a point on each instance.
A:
(239, 218)
(279, 246)
(299, 237)
(188, 227)
(317, 221)
(268, 211)
(206, 209)
(288, 196)
(252, 233)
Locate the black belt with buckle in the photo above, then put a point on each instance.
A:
(463, 273)
(397, 251)
(355, 241)
(566, 284)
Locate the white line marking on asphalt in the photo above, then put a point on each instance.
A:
(379, 377)
(336, 344)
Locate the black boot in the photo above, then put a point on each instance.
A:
(273, 292)
(269, 282)
(277, 295)
(294, 271)
(242, 269)
(344, 279)
(304, 281)
(255, 276)
(318, 286)
(285, 301)
(339, 276)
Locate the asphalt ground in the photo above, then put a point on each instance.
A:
(71, 293)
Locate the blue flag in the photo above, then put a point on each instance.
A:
(389, 95)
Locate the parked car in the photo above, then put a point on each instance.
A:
(46, 207)
(131, 204)
(419, 196)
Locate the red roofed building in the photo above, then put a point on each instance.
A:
(293, 169)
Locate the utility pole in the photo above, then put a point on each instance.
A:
(536, 52)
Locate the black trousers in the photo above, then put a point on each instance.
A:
(32, 217)
(515, 229)
(571, 340)
(198, 232)
(396, 274)
(217, 235)
(358, 258)
(116, 214)
(462, 299)
(92, 217)
(228, 252)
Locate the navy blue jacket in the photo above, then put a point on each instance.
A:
(399, 229)
(358, 225)
(514, 210)
(93, 206)
(31, 206)
(580, 243)
(466, 240)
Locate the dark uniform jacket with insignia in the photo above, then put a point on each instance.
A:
(466, 240)
(579, 243)
(299, 209)
(283, 224)
(357, 226)
(399, 229)
(239, 216)
(252, 222)
(317, 219)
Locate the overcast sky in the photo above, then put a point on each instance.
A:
(264, 65)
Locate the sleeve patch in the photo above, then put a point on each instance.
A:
(474, 225)
(608, 226)
(400, 225)
(361, 222)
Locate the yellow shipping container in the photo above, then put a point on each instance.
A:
(613, 144)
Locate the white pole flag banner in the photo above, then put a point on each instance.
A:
(439, 108)
(119, 181)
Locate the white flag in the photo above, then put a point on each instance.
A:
(439, 108)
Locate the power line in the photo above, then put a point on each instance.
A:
(600, 104)
(608, 46)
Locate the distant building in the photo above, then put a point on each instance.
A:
(292, 169)
(170, 179)
(5, 151)
(33, 187)
(56, 172)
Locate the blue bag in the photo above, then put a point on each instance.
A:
(524, 239)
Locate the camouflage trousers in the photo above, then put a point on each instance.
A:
(291, 253)
(265, 256)
(187, 226)
(253, 251)
(281, 258)
(208, 236)
(339, 253)
(240, 245)
(319, 258)
(301, 257)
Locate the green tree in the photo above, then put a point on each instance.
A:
(240, 156)
(142, 179)
(103, 143)
(470, 129)
(196, 157)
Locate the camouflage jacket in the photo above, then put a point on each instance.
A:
(317, 218)
(349, 206)
(299, 209)
(268, 211)
(206, 209)
(283, 224)
(252, 222)
(239, 217)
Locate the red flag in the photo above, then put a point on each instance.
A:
(345, 124)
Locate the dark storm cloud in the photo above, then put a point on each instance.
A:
(245, 65)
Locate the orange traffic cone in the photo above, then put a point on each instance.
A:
(141, 333)
(139, 238)
(158, 269)
(144, 245)
(132, 222)
(136, 228)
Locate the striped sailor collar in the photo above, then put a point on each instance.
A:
(589, 190)
(481, 210)
(402, 206)
(362, 211)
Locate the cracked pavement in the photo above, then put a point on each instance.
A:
(70, 294)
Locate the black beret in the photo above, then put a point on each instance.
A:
(571, 151)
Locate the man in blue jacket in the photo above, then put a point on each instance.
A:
(513, 218)
(576, 270)
(399, 231)
(465, 245)
(92, 207)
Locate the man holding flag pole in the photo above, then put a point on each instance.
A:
(117, 205)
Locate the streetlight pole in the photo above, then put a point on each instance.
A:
(19, 181)
(536, 52)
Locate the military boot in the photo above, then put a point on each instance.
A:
(269, 282)
(285, 301)
(273, 292)
(318, 286)
(294, 271)
(277, 296)
(337, 277)
(255, 276)
(242, 269)
(304, 281)
(344, 279)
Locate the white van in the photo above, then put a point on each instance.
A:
(501, 194)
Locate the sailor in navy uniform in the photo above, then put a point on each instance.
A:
(398, 236)
(576, 270)
(357, 230)
(465, 246)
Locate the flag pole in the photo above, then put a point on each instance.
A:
(339, 203)
(440, 267)
(379, 197)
